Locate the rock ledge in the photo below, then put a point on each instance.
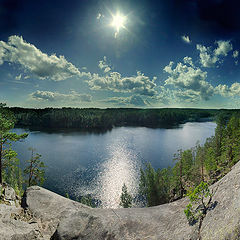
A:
(58, 218)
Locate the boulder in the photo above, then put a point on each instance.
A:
(15, 229)
(9, 194)
(48, 208)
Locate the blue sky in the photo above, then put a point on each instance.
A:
(93, 53)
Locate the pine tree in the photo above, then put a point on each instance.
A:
(126, 198)
(6, 137)
(35, 171)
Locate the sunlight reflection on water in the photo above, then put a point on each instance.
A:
(122, 167)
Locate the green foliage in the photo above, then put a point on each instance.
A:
(230, 147)
(199, 193)
(6, 137)
(189, 212)
(198, 197)
(125, 198)
(12, 171)
(88, 200)
(155, 185)
(67, 195)
(208, 162)
(35, 170)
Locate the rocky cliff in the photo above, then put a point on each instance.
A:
(47, 215)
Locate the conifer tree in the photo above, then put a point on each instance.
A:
(126, 198)
(35, 170)
(6, 136)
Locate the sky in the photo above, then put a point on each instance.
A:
(117, 53)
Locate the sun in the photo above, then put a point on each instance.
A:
(118, 22)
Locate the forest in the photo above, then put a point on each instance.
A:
(94, 118)
(205, 163)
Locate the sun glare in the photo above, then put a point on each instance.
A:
(118, 21)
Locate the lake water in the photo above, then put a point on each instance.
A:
(81, 163)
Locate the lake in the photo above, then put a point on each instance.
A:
(81, 163)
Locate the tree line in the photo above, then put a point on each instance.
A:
(94, 118)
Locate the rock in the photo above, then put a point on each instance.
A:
(16, 229)
(72, 220)
(48, 208)
(223, 221)
(9, 194)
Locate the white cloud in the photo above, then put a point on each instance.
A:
(225, 91)
(206, 58)
(235, 54)
(224, 47)
(134, 100)
(56, 96)
(113, 81)
(31, 59)
(188, 95)
(188, 60)
(209, 57)
(165, 95)
(103, 65)
(188, 78)
(186, 39)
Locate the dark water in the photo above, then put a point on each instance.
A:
(83, 163)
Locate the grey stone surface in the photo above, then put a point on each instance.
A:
(223, 222)
(78, 221)
(58, 218)
(49, 208)
(12, 228)
(9, 194)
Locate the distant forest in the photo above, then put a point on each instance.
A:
(103, 119)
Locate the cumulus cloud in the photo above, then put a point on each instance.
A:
(186, 39)
(113, 81)
(224, 47)
(56, 96)
(225, 91)
(134, 100)
(206, 58)
(188, 60)
(189, 80)
(186, 95)
(31, 59)
(103, 65)
(209, 57)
